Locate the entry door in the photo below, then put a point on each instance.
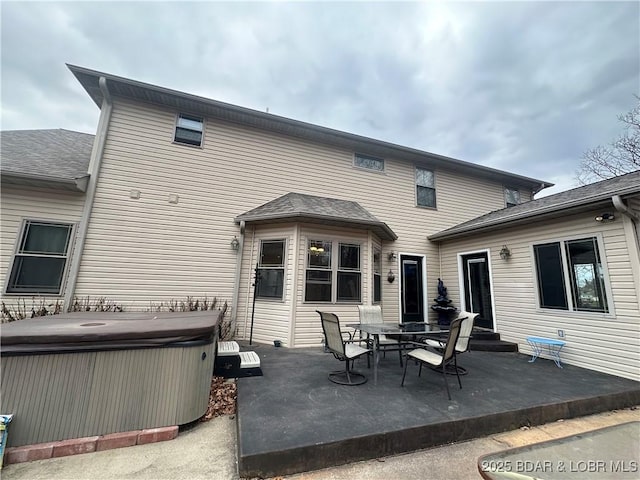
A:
(477, 288)
(412, 289)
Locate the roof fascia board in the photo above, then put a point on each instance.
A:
(566, 209)
(77, 184)
(301, 129)
(302, 217)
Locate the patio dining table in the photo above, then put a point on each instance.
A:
(389, 329)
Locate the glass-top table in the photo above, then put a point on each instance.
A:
(393, 330)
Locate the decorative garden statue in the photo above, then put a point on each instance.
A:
(442, 306)
(442, 290)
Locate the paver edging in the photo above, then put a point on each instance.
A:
(75, 446)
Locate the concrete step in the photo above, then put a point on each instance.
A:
(492, 345)
(484, 334)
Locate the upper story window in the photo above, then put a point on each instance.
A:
(271, 269)
(368, 162)
(571, 266)
(425, 188)
(40, 261)
(511, 196)
(189, 130)
(333, 272)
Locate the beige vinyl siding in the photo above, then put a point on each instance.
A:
(20, 203)
(148, 250)
(606, 342)
(272, 318)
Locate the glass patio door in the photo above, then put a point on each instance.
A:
(477, 285)
(412, 289)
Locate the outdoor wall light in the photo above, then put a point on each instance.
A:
(235, 243)
(605, 217)
(392, 256)
(505, 253)
(391, 276)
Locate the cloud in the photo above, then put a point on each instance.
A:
(525, 87)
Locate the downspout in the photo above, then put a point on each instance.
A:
(94, 171)
(620, 206)
(236, 285)
(634, 256)
(249, 281)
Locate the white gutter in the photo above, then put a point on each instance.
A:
(75, 184)
(521, 216)
(236, 283)
(94, 170)
(632, 232)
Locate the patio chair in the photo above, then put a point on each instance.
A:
(344, 350)
(438, 359)
(373, 314)
(462, 345)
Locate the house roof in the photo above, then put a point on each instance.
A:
(570, 201)
(46, 158)
(311, 209)
(187, 103)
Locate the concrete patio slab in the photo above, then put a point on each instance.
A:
(294, 420)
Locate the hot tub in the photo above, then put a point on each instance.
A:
(94, 373)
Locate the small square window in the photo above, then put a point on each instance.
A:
(370, 163)
(189, 130)
(425, 188)
(511, 196)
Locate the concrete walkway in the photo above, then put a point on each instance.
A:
(208, 451)
(204, 451)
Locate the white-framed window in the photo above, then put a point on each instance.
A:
(40, 261)
(570, 275)
(368, 162)
(189, 130)
(333, 272)
(271, 269)
(377, 275)
(511, 196)
(425, 188)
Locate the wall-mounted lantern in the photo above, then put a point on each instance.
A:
(505, 253)
(235, 244)
(391, 276)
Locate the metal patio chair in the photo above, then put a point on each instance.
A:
(439, 360)
(373, 314)
(462, 345)
(344, 350)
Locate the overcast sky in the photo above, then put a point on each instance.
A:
(524, 87)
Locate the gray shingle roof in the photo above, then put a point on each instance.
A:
(46, 155)
(587, 196)
(308, 208)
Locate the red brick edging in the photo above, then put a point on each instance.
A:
(74, 446)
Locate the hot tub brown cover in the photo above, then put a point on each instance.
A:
(105, 331)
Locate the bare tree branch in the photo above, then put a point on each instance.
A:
(619, 157)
